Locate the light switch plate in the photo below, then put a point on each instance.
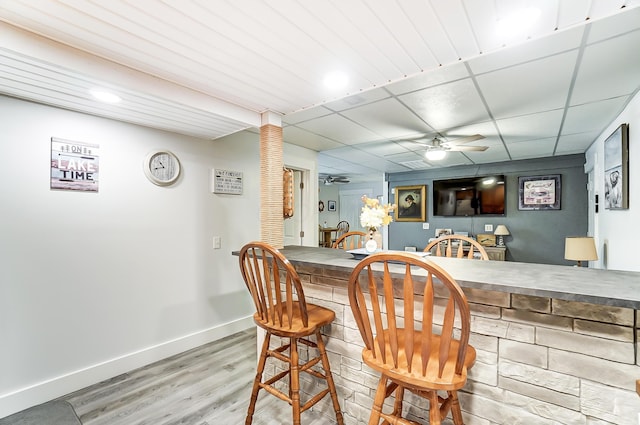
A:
(217, 242)
(488, 227)
(425, 226)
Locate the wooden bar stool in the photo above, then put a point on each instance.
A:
(281, 310)
(473, 247)
(398, 317)
(350, 240)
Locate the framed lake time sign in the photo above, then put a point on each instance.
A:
(74, 165)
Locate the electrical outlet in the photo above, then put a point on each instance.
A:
(425, 226)
(488, 227)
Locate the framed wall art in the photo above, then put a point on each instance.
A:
(616, 169)
(540, 192)
(331, 205)
(411, 203)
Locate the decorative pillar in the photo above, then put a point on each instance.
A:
(271, 191)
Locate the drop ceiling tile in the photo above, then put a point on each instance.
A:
(382, 148)
(339, 129)
(305, 115)
(316, 142)
(357, 100)
(527, 88)
(388, 118)
(441, 75)
(532, 148)
(530, 127)
(575, 143)
(592, 116)
(614, 25)
(447, 105)
(608, 69)
(527, 52)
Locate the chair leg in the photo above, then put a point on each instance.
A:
(397, 406)
(378, 401)
(456, 412)
(327, 372)
(434, 408)
(258, 379)
(295, 381)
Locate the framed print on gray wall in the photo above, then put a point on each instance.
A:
(616, 169)
(539, 192)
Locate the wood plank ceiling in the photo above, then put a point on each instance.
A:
(416, 68)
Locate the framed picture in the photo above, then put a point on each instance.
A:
(616, 169)
(411, 203)
(539, 192)
(331, 205)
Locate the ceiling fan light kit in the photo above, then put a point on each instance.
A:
(435, 154)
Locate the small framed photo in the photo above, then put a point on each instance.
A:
(331, 205)
(539, 192)
(411, 203)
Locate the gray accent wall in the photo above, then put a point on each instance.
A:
(536, 236)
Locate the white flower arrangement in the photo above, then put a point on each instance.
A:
(375, 215)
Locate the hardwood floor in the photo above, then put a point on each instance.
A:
(208, 385)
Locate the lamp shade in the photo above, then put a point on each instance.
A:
(580, 248)
(501, 230)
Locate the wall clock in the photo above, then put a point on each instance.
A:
(162, 168)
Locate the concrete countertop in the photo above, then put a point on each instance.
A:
(604, 287)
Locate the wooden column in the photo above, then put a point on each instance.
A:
(271, 165)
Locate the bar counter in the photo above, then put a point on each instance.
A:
(555, 344)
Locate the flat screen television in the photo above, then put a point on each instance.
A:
(469, 196)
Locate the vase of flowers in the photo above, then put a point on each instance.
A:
(373, 216)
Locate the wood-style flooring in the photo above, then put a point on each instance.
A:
(208, 385)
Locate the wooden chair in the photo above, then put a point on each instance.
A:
(397, 308)
(281, 310)
(448, 240)
(343, 227)
(350, 240)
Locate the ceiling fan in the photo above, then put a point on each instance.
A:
(329, 180)
(437, 148)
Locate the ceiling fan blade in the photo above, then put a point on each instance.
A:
(468, 148)
(463, 140)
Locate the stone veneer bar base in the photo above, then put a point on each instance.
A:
(540, 360)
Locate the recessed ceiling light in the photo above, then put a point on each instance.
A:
(518, 21)
(336, 80)
(105, 96)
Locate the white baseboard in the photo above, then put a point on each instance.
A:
(57, 387)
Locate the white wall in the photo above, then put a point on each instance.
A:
(95, 284)
(617, 231)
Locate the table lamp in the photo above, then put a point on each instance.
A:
(500, 232)
(580, 248)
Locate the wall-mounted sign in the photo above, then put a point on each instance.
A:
(74, 165)
(226, 181)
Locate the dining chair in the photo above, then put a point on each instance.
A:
(282, 311)
(350, 240)
(444, 247)
(343, 227)
(415, 322)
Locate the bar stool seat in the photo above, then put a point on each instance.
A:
(282, 311)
